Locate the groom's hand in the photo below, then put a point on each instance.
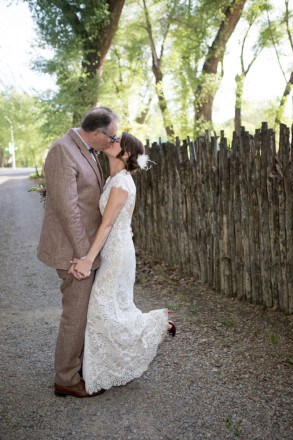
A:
(82, 267)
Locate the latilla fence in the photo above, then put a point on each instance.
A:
(223, 215)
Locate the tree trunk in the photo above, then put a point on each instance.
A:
(238, 104)
(1, 157)
(94, 59)
(115, 7)
(140, 119)
(283, 101)
(162, 101)
(35, 162)
(96, 52)
(215, 54)
(156, 67)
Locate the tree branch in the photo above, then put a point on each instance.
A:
(164, 39)
(216, 51)
(115, 7)
(242, 48)
(256, 54)
(275, 47)
(287, 23)
(156, 60)
(167, 28)
(185, 23)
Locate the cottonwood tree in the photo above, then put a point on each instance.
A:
(81, 33)
(136, 66)
(254, 18)
(127, 80)
(215, 54)
(181, 44)
(157, 51)
(205, 29)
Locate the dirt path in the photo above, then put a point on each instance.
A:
(226, 375)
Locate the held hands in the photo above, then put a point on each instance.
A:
(73, 272)
(80, 268)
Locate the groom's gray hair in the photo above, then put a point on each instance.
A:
(98, 118)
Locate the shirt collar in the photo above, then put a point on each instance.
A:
(87, 145)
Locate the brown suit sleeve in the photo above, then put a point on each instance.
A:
(61, 180)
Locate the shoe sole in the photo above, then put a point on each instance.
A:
(60, 394)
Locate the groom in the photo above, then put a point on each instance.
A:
(74, 184)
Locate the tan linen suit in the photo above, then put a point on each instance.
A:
(72, 216)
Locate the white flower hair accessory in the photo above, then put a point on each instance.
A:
(143, 161)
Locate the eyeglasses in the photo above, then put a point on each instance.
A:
(113, 138)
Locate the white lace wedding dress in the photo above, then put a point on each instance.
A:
(120, 340)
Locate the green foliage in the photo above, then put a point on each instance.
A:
(128, 85)
(195, 28)
(279, 29)
(273, 339)
(253, 114)
(174, 308)
(76, 31)
(237, 431)
(25, 113)
(37, 176)
(37, 122)
(194, 309)
(56, 118)
(41, 190)
(63, 24)
(227, 322)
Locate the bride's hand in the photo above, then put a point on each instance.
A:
(83, 267)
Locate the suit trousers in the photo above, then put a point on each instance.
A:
(70, 340)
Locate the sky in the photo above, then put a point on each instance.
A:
(17, 35)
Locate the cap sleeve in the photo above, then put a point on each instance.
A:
(122, 181)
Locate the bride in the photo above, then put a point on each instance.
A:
(120, 340)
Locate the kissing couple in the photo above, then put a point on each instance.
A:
(104, 340)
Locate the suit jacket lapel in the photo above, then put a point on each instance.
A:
(100, 168)
(85, 152)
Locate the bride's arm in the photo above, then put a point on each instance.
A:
(115, 203)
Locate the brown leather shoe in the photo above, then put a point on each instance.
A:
(77, 390)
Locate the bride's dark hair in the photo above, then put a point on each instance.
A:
(130, 144)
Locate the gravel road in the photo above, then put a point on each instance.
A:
(226, 375)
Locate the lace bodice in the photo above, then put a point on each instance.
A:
(123, 180)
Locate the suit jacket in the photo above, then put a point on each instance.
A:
(74, 184)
